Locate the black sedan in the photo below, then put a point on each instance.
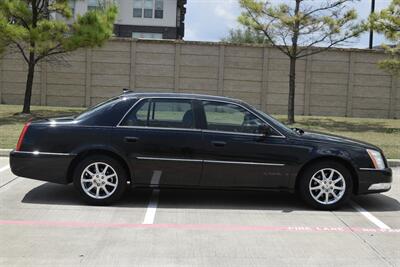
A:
(194, 141)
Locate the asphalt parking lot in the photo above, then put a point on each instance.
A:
(48, 225)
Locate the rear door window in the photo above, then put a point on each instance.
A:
(162, 113)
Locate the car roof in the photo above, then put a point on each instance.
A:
(132, 94)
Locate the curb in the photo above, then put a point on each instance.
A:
(391, 162)
(394, 162)
(5, 152)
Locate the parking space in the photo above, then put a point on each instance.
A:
(47, 224)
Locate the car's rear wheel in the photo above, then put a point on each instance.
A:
(326, 185)
(100, 179)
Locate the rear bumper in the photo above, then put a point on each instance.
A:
(50, 167)
(374, 181)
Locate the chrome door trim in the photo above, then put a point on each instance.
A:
(212, 161)
(169, 159)
(44, 153)
(244, 163)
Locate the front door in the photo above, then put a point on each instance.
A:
(162, 143)
(236, 154)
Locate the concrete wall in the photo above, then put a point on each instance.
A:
(338, 82)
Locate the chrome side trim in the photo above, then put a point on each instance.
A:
(170, 159)
(200, 99)
(212, 161)
(44, 153)
(244, 163)
(369, 169)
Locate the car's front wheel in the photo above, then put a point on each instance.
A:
(100, 179)
(326, 185)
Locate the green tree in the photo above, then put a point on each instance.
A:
(300, 28)
(29, 27)
(387, 21)
(245, 36)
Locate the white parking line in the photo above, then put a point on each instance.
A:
(4, 168)
(152, 207)
(369, 216)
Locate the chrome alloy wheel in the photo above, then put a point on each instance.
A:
(327, 186)
(99, 180)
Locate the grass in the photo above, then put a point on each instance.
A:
(11, 121)
(381, 132)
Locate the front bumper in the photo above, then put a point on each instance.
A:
(374, 181)
(50, 167)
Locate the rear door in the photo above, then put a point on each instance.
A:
(236, 154)
(160, 138)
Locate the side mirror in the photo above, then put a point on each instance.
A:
(265, 130)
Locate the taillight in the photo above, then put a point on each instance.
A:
(21, 137)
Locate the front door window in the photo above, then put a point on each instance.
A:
(229, 117)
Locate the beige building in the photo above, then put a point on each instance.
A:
(150, 19)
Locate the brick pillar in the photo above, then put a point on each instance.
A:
(264, 83)
(177, 66)
(221, 63)
(88, 84)
(350, 84)
(132, 73)
(393, 97)
(43, 83)
(307, 86)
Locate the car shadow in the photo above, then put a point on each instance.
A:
(54, 194)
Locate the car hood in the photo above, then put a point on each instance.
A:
(329, 138)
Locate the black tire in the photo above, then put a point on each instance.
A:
(115, 192)
(315, 169)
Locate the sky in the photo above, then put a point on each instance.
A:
(210, 20)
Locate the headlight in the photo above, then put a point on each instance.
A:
(377, 159)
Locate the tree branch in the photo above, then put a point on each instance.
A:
(327, 7)
(265, 31)
(21, 49)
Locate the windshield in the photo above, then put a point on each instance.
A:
(97, 107)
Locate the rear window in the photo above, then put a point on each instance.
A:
(101, 106)
(107, 113)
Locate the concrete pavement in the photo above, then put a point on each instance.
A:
(48, 225)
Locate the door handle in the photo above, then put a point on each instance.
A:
(218, 143)
(131, 139)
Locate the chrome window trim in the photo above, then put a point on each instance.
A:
(35, 153)
(212, 161)
(161, 128)
(205, 130)
(238, 133)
